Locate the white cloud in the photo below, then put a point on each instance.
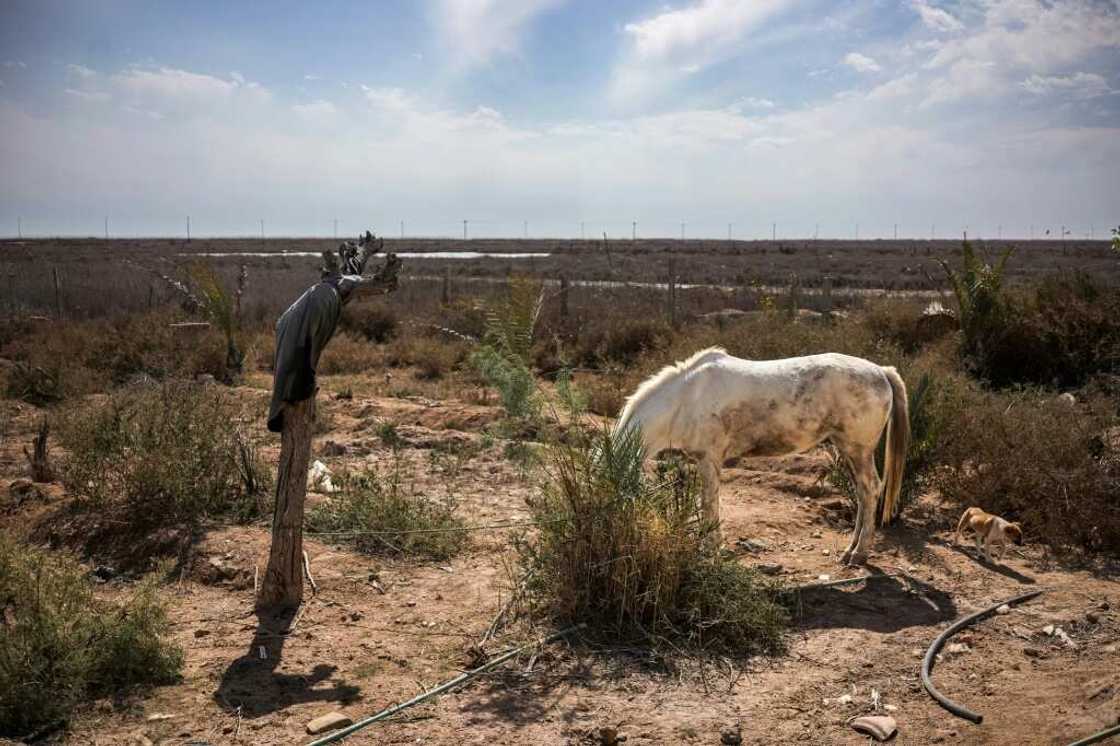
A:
(861, 63)
(937, 19)
(475, 31)
(965, 78)
(15, 63)
(694, 32)
(1078, 85)
(392, 99)
(684, 41)
(98, 96)
(751, 102)
(80, 71)
(170, 91)
(316, 110)
(1021, 44)
(311, 77)
(897, 88)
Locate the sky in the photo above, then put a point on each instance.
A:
(561, 118)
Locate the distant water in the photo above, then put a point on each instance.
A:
(403, 254)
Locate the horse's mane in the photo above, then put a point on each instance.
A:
(663, 376)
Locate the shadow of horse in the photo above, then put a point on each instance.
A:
(884, 603)
(252, 685)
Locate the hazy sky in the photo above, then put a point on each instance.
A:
(952, 113)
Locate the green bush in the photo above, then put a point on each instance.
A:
(375, 512)
(161, 454)
(61, 646)
(634, 560)
(35, 385)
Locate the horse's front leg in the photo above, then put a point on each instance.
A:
(709, 501)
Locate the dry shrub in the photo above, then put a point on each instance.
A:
(160, 455)
(349, 353)
(620, 340)
(1031, 457)
(61, 646)
(605, 394)
(897, 321)
(433, 357)
(633, 558)
(378, 513)
(374, 320)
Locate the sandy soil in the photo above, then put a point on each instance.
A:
(380, 631)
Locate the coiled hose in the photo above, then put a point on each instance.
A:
(931, 654)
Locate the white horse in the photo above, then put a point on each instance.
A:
(714, 406)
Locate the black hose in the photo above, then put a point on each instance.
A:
(935, 648)
(1098, 737)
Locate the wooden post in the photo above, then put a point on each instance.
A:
(672, 292)
(794, 289)
(57, 293)
(563, 296)
(445, 293)
(828, 295)
(282, 587)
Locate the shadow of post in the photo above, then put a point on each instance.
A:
(253, 685)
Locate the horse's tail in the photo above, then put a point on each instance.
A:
(898, 442)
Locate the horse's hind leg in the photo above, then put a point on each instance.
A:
(709, 477)
(868, 486)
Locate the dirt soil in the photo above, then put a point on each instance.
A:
(379, 631)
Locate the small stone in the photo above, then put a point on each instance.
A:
(956, 648)
(201, 632)
(1048, 630)
(1092, 617)
(1103, 606)
(769, 568)
(826, 552)
(817, 535)
(1004, 609)
(731, 736)
(355, 616)
(155, 717)
(103, 573)
(916, 653)
(824, 577)
(328, 722)
(609, 736)
(21, 488)
(1033, 653)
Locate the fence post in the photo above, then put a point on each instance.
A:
(828, 295)
(672, 292)
(445, 294)
(57, 293)
(563, 296)
(794, 290)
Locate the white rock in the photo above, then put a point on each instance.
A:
(1048, 630)
(824, 577)
(330, 721)
(1005, 609)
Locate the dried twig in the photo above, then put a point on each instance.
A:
(307, 571)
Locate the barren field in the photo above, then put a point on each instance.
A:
(383, 627)
(358, 649)
(98, 277)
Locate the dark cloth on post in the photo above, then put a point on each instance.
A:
(301, 334)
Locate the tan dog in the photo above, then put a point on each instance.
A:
(989, 530)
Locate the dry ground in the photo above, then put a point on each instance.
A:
(357, 649)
